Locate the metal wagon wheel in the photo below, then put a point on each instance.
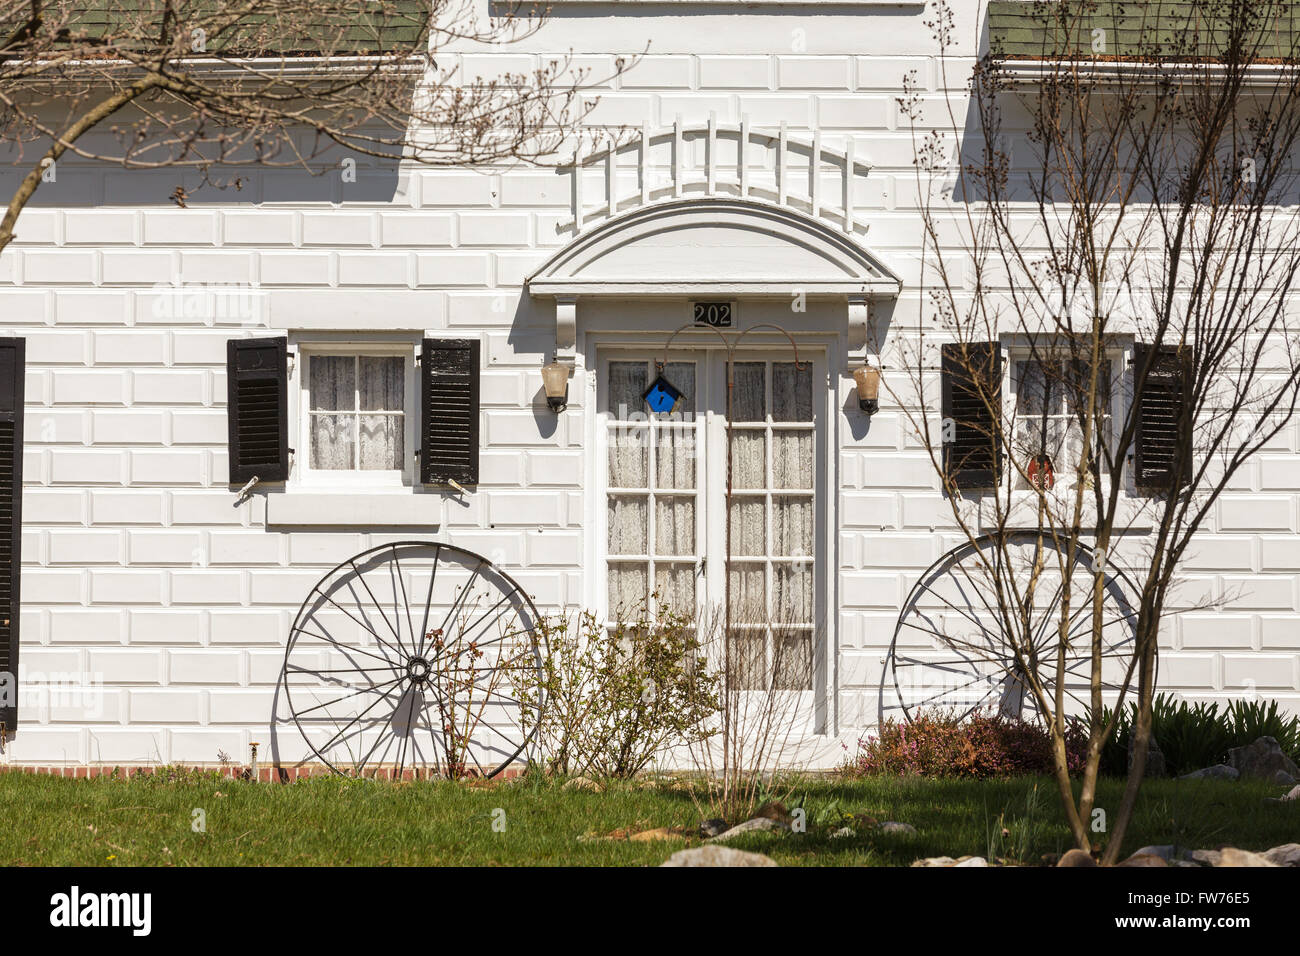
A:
(414, 657)
(951, 651)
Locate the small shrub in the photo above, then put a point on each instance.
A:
(617, 697)
(938, 744)
(1192, 736)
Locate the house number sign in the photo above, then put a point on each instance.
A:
(715, 314)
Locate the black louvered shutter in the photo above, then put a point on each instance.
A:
(972, 411)
(257, 396)
(449, 373)
(1161, 415)
(12, 368)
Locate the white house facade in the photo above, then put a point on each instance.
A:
(758, 179)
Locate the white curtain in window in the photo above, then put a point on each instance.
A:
(382, 441)
(748, 459)
(748, 586)
(628, 525)
(675, 455)
(627, 586)
(675, 584)
(628, 454)
(792, 458)
(332, 447)
(791, 393)
(792, 526)
(748, 527)
(792, 597)
(674, 526)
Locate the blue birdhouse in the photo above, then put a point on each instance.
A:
(662, 396)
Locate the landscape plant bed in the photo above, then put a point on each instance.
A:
(151, 820)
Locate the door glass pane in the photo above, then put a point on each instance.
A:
(792, 526)
(332, 383)
(792, 458)
(748, 526)
(381, 383)
(748, 593)
(627, 587)
(675, 584)
(332, 441)
(627, 525)
(629, 448)
(749, 397)
(791, 392)
(792, 668)
(627, 380)
(748, 459)
(682, 375)
(747, 658)
(674, 526)
(792, 593)
(675, 455)
(381, 442)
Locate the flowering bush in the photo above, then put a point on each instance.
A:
(937, 744)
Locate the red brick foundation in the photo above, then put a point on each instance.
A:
(264, 774)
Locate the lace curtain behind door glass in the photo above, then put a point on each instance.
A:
(771, 572)
(651, 511)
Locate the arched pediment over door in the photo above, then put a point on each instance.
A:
(712, 247)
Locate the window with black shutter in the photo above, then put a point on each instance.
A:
(257, 396)
(449, 420)
(1161, 416)
(12, 367)
(972, 411)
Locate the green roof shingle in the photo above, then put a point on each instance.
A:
(343, 29)
(1140, 29)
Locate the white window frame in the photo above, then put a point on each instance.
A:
(306, 477)
(1012, 355)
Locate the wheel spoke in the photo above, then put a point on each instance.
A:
(379, 607)
(357, 620)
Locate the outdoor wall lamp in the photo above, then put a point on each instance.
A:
(868, 381)
(555, 381)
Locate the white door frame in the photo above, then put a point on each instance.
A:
(818, 348)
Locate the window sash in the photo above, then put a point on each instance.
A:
(369, 428)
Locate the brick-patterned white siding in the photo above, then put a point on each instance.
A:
(143, 580)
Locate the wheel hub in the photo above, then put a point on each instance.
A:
(418, 670)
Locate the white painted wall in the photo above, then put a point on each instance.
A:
(144, 580)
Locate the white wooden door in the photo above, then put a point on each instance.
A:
(666, 515)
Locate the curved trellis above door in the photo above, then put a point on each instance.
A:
(666, 163)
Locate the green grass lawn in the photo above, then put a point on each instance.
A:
(147, 821)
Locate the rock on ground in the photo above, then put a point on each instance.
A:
(1144, 859)
(972, 861)
(1230, 856)
(1155, 765)
(1262, 760)
(712, 828)
(658, 833)
(713, 855)
(892, 826)
(1287, 855)
(1165, 851)
(1076, 857)
(1220, 771)
(935, 861)
(756, 825)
